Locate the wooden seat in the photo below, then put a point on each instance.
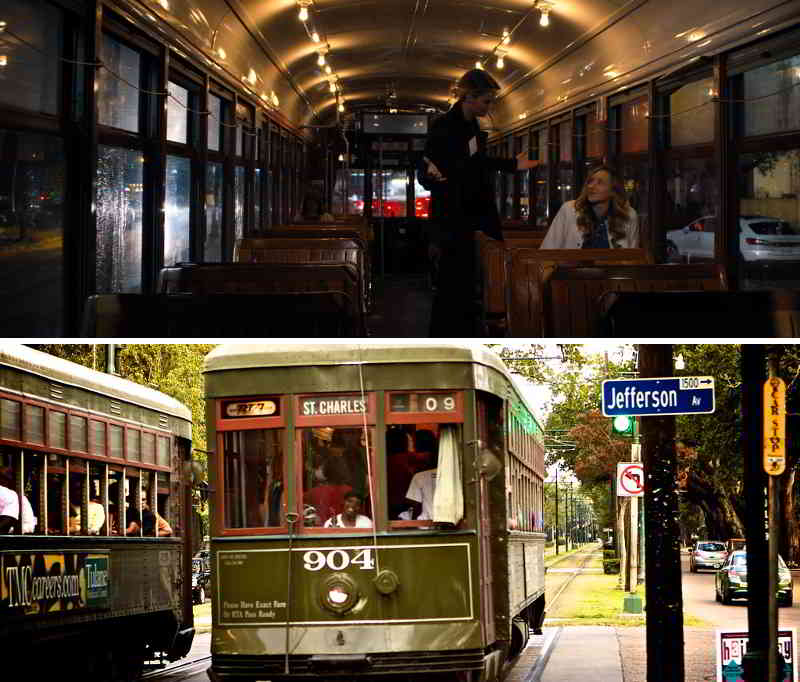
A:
(573, 294)
(285, 247)
(713, 314)
(122, 315)
(529, 271)
(287, 291)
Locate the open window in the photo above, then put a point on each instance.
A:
(424, 458)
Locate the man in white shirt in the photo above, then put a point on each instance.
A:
(423, 484)
(9, 512)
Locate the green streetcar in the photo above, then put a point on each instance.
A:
(376, 512)
(95, 508)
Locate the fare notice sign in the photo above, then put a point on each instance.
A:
(630, 479)
(658, 396)
(774, 426)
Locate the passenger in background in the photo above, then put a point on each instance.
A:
(458, 173)
(600, 218)
(151, 523)
(10, 504)
(350, 517)
(400, 470)
(327, 497)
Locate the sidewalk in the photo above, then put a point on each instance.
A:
(580, 653)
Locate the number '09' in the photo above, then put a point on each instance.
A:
(337, 560)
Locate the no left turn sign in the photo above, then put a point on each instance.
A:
(630, 479)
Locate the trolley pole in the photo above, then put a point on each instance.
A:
(662, 559)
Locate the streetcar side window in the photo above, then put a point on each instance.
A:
(336, 489)
(424, 479)
(253, 478)
(15, 496)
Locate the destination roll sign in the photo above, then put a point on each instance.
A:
(658, 396)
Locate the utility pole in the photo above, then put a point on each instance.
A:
(664, 596)
(754, 662)
(557, 509)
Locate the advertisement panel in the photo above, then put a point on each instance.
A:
(40, 583)
(732, 646)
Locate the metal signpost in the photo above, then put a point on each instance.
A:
(658, 397)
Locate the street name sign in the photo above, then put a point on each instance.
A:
(658, 396)
(630, 479)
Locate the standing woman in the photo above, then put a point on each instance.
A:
(458, 173)
(600, 218)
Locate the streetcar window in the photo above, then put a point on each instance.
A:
(334, 466)
(424, 480)
(16, 478)
(56, 494)
(118, 99)
(253, 478)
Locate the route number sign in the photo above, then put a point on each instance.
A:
(630, 479)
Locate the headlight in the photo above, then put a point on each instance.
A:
(339, 593)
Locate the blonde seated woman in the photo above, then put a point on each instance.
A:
(600, 218)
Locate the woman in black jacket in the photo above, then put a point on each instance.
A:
(458, 173)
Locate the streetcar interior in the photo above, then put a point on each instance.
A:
(200, 130)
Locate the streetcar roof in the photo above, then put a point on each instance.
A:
(238, 356)
(72, 374)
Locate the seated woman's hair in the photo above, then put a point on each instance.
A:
(619, 209)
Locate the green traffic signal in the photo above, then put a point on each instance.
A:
(623, 425)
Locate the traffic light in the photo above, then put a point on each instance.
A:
(623, 425)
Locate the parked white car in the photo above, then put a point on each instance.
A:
(760, 239)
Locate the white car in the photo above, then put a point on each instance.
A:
(760, 239)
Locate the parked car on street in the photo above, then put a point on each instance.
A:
(735, 544)
(707, 554)
(201, 579)
(761, 238)
(731, 580)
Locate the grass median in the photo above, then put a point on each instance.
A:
(594, 599)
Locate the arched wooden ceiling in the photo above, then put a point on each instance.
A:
(415, 50)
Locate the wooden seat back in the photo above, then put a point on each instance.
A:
(529, 271)
(303, 249)
(573, 294)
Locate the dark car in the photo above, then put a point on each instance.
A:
(731, 580)
(201, 579)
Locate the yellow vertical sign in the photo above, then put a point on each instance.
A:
(774, 426)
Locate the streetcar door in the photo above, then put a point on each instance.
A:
(484, 511)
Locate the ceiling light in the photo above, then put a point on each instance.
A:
(500, 62)
(506, 37)
(328, 69)
(3, 25)
(303, 13)
(341, 158)
(275, 101)
(221, 53)
(321, 59)
(545, 8)
(341, 106)
(315, 37)
(252, 78)
(392, 111)
(333, 86)
(478, 65)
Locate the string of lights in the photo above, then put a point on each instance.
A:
(323, 51)
(335, 83)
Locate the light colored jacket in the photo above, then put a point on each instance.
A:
(564, 232)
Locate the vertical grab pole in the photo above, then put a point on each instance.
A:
(291, 519)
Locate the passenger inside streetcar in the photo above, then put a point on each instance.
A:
(419, 496)
(327, 497)
(600, 218)
(351, 517)
(10, 507)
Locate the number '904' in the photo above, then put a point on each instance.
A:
(338, 559)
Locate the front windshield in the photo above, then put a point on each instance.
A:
(741, 560)
(711, 547)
